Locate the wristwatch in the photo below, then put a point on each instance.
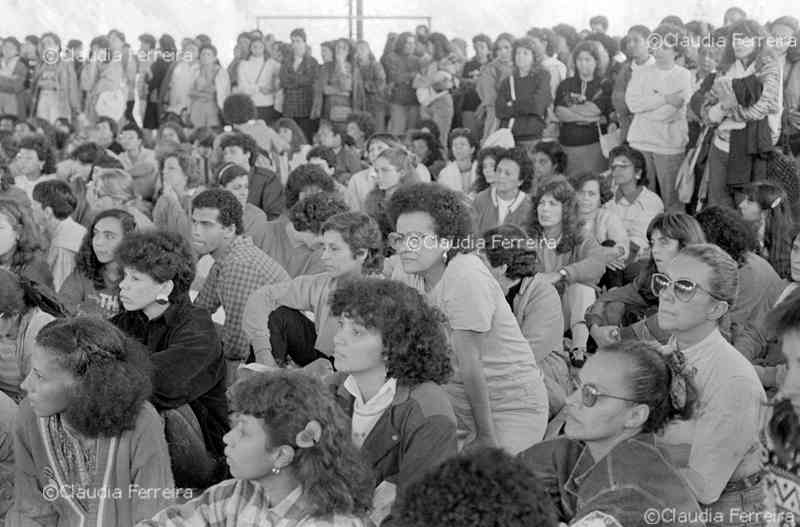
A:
(615, 334)
(564, 274)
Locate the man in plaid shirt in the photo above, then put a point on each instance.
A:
(239, 267)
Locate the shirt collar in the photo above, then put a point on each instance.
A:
(712, 339)
(285, 505)
(620, 196)
(387, 391)
(514, 203)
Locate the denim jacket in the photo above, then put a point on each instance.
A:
(417, 432)
(634, 478)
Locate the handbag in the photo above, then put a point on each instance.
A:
(608, 141)
(685, 181)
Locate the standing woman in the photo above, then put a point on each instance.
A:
(152, 111)
(469, 82)
(402, 66)
(369, 85)
(259, 77)
(86, 425)
(766, 207)
(729, 163)
(297, 77)
(523, 98)
(491, 78)
(104, 81)
(581, 103)
(55, 83)
(717, 451)
(497, 390)
(93, 286)
(209, 90)
(434, 84)
(336, 79)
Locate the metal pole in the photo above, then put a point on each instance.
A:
(359, 20)
(350, 19)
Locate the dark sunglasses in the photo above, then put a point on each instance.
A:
(684, 288)
(590, 394)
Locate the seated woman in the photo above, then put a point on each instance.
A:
(113, 189)
(609, 470)
(497, 390)
(717, 450)
(566, 255)
(465, 491)
(292, 460)
(393, 354)
(630, 312)
(294, 154)
(780, 436)
(459, 173)
(25, 308)
(277, 330)
(766, 208)
(93, 286)
(486, 167)
(759, 284)
(633, 202)
(86, 425)
(511, 257)
(22, 243)
(592, 192)
(394, 169)
(506, 200)
(178, 187)
(189, 373)
(235, 179)
(426, 149)
(549, 163)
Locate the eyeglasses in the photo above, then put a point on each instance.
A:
(590, 394)
(684, 288)
(412, 241)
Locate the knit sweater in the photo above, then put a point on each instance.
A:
(658, 127)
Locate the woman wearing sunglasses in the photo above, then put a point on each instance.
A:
(608, 467)
(717, 450)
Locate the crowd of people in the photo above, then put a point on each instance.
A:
(555, 282)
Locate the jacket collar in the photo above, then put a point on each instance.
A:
(585, 465)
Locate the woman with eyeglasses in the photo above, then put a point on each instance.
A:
(717, 450)
(497, 391)
(609, 467)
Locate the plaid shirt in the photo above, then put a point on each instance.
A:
(298, 86)
(241, 271)
(244, 503)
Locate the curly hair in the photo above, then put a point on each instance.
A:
(57, 195)
(579, 180)
(519, 156)
(467, 134)
(238, 108)
(509, 244)
(183, 153)
(364, 121)
(450, 214)
(176, 127)
(228, 172)
(563, 192)
(30, 240)
(19, 294)
(434, 151)
(161, 255)
(486, 488)
(112, 370)
(727, 229)
(43, 148)
(333, 473)
(243, 141)
(323, 152)
(309, 214)
(415, 345)
(493, 152)
(303, 177)
(230, 211)
(298, 136)
(361, 234)
(556, 154)
(86, 261)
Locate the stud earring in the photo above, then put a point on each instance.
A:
(276, 470)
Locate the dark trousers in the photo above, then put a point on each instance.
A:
(292, 336)
(308, 126)
(193, 466)
(268, 114)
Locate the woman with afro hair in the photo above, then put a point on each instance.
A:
(487, 488)
(392, 353)
(273, 320)
(86, 427)
(292, 461)
(497, 390)
(609, 469)
(189, 377)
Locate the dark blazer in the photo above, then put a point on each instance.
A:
(189, 367)
(416, 433)
(533, 96)
(266, 192)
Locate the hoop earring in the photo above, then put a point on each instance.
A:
(162, 299)
(276, 470)
(444, 257)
